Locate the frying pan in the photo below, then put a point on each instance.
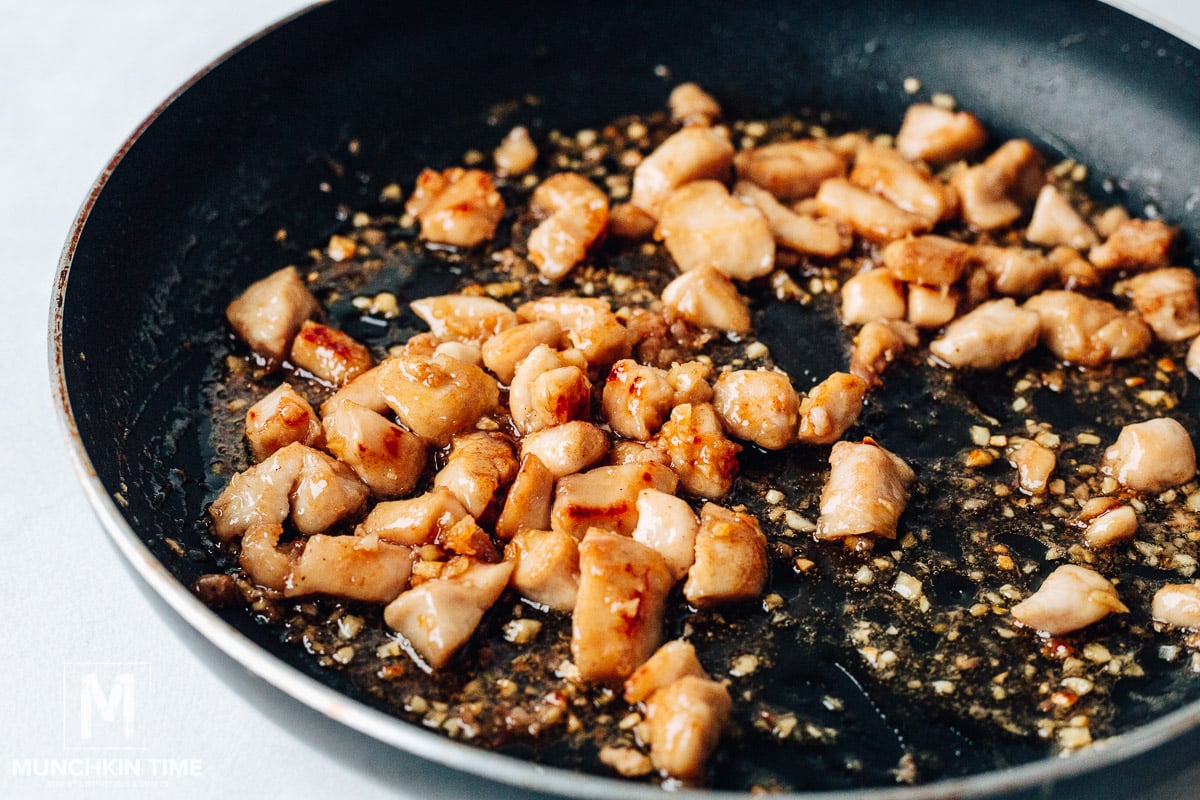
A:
(185, 216)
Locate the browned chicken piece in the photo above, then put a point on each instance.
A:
(618, 618)
(606, 497)
(931, 307)
(282, 417)
(830, 408)
(1151, 456)
(874, 294)
(684, 722)
(994, 194)
(416, 521)
(363, 390)
(690, 382)
(869, 215)
(1015, 271)
(387, 458)
(457, 206)
(731, 559)
(502, 352)
(992, 334)
(1177, 604)
(439, 616)
(263, 560)
(803, 233)
(877, 345)
(929, 260)
(626, 451)
(354, 567)
(1088, 332)
(464, 318)
(1135, 244)
(423, 344)
(527, 505)
(1074, 271)
(549, 388)
(1071, 597)
(674, 660)
(637, 399)
(590, 324)
(1166, 299)
(703, 226)
(705, 461)
(938, 135)
(268, 314)
(758, 406)
(885, 172)
(1035, 464)
(478, 467)
(1056, 222)
(516, 153)
(691, 105)
(866, 493)
(577, 212)
(1107, 221)
(705, 297)
(627, 221)
(789, 170)
(692, 154)
(668, 524)
(568, 448)
(436, 397)
(546, 567)
(1117, 524)
(466, 538)
(329, 354)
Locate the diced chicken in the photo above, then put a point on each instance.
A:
(478, 467)
(1087, 332)
(354, 567)
(877, 345)
(549, 388)
(280, 418)
(705, 297)
(830, 408)
(803, 233)
(674, 660)
(263, 560)
(578, 214)
(692, 154)
(885, 172)
(627, 221)
(606, 497)
(931, 307)
(590, 324)
(690, 382)
(1177, 604)
(1116, 525)
(703, 226)
(1135, 244)
(329, 354)
(1074, 271)
(866, 493)
(568, 448)
(439, 616)
(705, 461)
(992, 334)
(529, 499)
(385, 457)
(1035, 464)
(636, 399)
(618, 618)
(691, 105)
(456, 207)
(667, 524)
(1166, 299)
(684, 722)
(466, 352)
(625, 451)
(731, 559)
(1151, 456)
(268, 314)
(464, 318)
(1108, 221)
(789, 170)
(1015, 271)
(436, 397)
(363, 390)
(758, 406)
(546, 567)
(1056, 222)
(414, 522)
(929, 260)
(516, 153)
(874, 294)
(423, 344)
(867, 214)
(502, 352)
(993, 194)
(466, 538)
(938, 135)
(1071, 597)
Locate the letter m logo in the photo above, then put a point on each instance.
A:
(104, 705)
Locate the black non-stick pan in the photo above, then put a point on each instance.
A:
(186, 215)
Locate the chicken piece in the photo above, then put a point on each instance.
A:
(1135, 244)
(705, 461)
(354, 567)
(590, 324)
(667, 524)
(478, 467)
(928, 260)
(578, 214)
(706, 298)
(636, 399)
(268, 314)
(1015, 271)
(439, 616)
(1118, 524)
(866, 493)
(731, 559)
(931, 307)
(329, 355)
(362, 390)
(877, 345)
(701, 225)
(1177, 604)
(529, 499)
(684, 722)
(618, 618)
(606, 497)
(549, 388)
(280, 418)
(1074, 271)
(545, 567)
(674, 660)
(884, 171)
(803, 233)
(938, 135)
(387, 458)
(1166, 299)
(466, 352)
(874, 294)
(789, 170)
(1056, 222)
(758, 406)
(416, 521)
(690, 382)
(627, 221)
(436, 397)
(830, 408)
(501, 353)
(456, 206)
(423, 344)
(1071, 597)
(869, 215)
(625, 451)
(466, 538)
(692, 154)
(1035, 464)
(464, 318)
(1151, 456)
(568, 448)
(1108, 221)
(691, 105)
(516, 154)
(993, 194)
(262, 559)
(1087, 332)
(992, 334)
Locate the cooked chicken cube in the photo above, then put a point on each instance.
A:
(803, 233)
(618, 618)
(705, 461)
(1071, 597)
(877, 345)
(546, 567)
(363, 390)
(606, 497)
(1035, 464)
(549, 388)
(354, 567)
(466, 538)
(702, 225)
(692, 154)
(502, 352)
(590, 324)
(1166, 299)
(456, 207)
(866, 492)
(439, 616)
(884, 171)
(691, 105)
(637, 399)
(478, 467)
(627, 221)
(263, 560)
(830, 408)
(577, 212)
(684, 722)
(415, 521)
(568, 448)
(385, 457)
(1177, 604)
(1015, 271)
(422, 344)
(516, 153)
(280, 418)
(1151, 456)
(667, 523)
(690, 382)
(992, 334)
(874, 294)
(464, 318)
(436, 397)
(931, 307)
(268, 314)
(1118, 524)
(929, 260)
(705, 297)
(466, 352)
(938, 135)
(1087, 332)
(993, 194)
(731, 559)
(789, 170)
(867, 214)
(758, 406)
(674, 660)
(1135, 244)
(626, 451)
(1056, 222)
(529, 499)
(329, 354)
(1074, 271)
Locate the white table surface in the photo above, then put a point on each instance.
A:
(76, 76)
